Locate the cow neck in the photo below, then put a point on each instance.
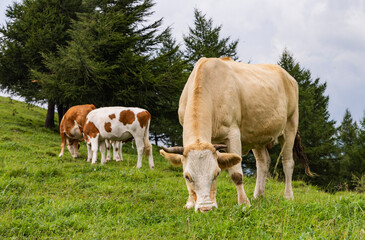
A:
(198, 114)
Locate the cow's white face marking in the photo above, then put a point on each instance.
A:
(200, 172)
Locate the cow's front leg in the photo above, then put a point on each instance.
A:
(236, 175)
(235, 172)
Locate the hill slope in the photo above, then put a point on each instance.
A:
(43, 196)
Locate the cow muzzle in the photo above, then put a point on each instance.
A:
(205, 206)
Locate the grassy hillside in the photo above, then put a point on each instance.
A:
(46, 197)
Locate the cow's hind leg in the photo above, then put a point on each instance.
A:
(89, 152)
(94, 149)
(262, 164)
(287, 144)
(102, 152)
(235, 172)
(140, 150)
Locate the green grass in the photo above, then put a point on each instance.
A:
(46, 197)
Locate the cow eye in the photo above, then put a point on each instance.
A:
(217, 174)
(187, 177)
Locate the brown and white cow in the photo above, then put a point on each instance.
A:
(241, 107)
(118, 124)
(71, 128)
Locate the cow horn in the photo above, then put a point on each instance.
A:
(219, 146)
(178, 150)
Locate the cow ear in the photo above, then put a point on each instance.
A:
(175, 159)
(227, 160)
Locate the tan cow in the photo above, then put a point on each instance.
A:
(243, 106)
(71, 128)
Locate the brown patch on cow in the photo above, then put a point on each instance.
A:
(112, 116)
(226, 58)
(108, 126)
(143, 118)
(126, 117)
(237, 178)
(90, 130)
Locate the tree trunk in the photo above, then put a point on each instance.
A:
(61, 109)
(50, 115)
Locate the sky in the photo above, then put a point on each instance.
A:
(326, 37)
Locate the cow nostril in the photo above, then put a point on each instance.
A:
(205, 209)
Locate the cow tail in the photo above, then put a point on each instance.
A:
(299, 152)
(147, 144)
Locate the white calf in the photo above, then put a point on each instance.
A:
(118, 124)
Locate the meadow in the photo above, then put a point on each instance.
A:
(43, 196)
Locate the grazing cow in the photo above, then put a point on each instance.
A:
(237, 106)
(71, 128)
(118, 124)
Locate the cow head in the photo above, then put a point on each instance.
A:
(202, 163)
(73, 146)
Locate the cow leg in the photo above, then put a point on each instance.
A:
(89, 152)
(116, 149)
(108, 146)
(236, 175)
(140, 149)
(262, 164)
(120, 153)
(102, 152)
(150, 156)
(94, 149)
(75, 146)
(288, 162)
(235, 172)
(69, 145)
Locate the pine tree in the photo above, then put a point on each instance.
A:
(114, 59)
(350, 141)
(107, 60)
(34, 27)
(316, 129)
(204, 41)
(171, 74)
